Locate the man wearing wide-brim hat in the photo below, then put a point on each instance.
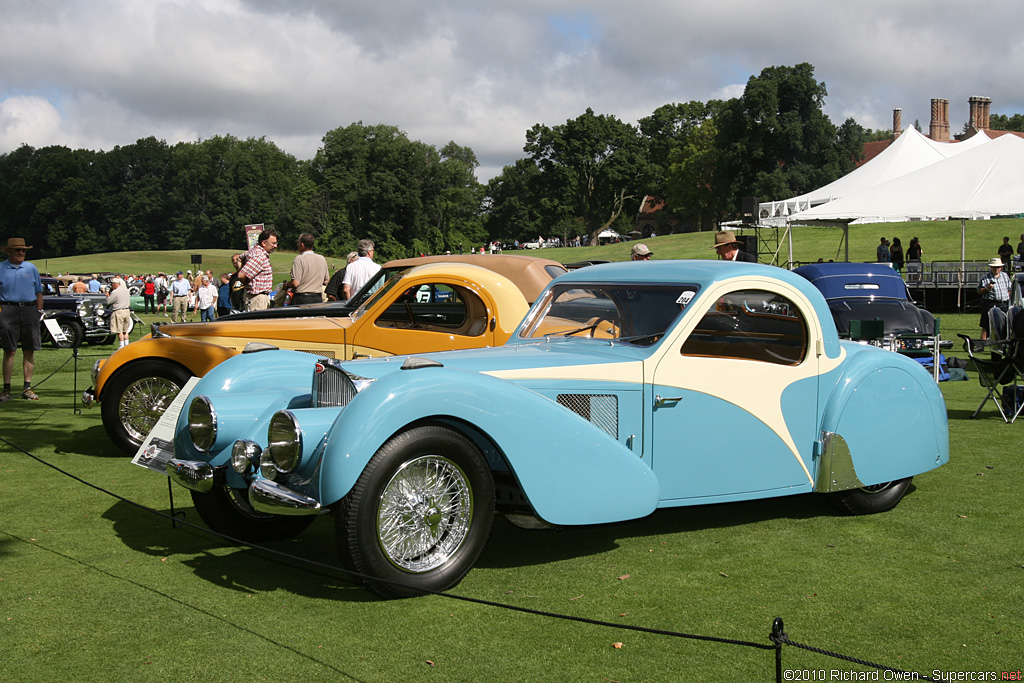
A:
(728, 248)
(21, 307)
(995, 293)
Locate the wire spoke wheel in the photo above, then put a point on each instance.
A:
(425, 513)
(143, 402)
(420, 513)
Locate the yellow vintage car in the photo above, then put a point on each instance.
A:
(438, 306)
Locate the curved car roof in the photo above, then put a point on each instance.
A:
(701, 272)
(530, 274)
(850, 280)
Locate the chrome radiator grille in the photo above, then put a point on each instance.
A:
(332, 388)
(600, 409)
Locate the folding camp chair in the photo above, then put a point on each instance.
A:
(1005, 367)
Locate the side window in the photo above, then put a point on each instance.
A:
(751, 325)
(436, 307)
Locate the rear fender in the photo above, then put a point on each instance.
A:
(571, 471)
(891, 418)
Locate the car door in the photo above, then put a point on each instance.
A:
(420, 317)
(734, 399)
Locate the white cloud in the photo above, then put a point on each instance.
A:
(99, 73)
(28, 120)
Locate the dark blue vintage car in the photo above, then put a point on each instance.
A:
(627, 388)
(865, 291)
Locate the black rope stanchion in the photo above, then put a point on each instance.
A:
(74, 387)
(777, 636)
(177, 517)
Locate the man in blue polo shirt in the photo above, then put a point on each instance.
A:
(21, 307)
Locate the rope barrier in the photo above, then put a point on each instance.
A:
(778, 637)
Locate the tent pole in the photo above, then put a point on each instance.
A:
(963, 258)
(846, 239)
(789, 234)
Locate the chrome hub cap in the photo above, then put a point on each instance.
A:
(424, 514)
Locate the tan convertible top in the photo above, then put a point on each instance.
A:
(529, 273)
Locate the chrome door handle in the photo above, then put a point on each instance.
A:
(659, 401)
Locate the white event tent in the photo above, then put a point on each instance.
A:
(983, 181)
(910, 152)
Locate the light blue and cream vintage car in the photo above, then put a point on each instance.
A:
(628, 387)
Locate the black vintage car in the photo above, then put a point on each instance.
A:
(81, 317)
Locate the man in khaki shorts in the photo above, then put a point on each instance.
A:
(119, 302)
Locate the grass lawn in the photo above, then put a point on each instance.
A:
(93, 588)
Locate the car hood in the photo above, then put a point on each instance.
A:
(511, 358)
(292, 329)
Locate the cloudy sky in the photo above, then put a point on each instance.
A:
(99, 73)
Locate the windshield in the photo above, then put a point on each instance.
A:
(630, 313)
(377, 296)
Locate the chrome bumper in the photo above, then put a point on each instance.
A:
(272, 498)
(192, 474)
(89, 397)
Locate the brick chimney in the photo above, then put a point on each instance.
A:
(897, 123)
(983, 112)
(973, 119)
(938, 130)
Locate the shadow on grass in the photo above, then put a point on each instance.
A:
(252, 570)
(247, 570)
(989, 413)
(92, 442)
(540, 547)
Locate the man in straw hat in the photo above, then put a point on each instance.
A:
(728, 248)
(995, 292)
(21, 307)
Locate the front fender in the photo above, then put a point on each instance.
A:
(245, 392)
(195, 356)
(571, 471)
(891, 414)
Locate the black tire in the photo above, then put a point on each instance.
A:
(74, 332)
(431, 487)
(102, 341)
(135, 398)
(227, 511)
(871, 499)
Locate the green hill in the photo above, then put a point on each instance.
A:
(940, 240)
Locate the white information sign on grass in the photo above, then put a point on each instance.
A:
(158, 447)
(53, 328)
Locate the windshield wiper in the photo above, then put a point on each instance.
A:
(567, 333)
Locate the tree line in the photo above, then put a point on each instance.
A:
(576, 178)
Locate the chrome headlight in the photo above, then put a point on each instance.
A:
(284, 441)
(202, 423)
(96, 371)
(245, 456)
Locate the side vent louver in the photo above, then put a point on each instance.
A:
(600, 409)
